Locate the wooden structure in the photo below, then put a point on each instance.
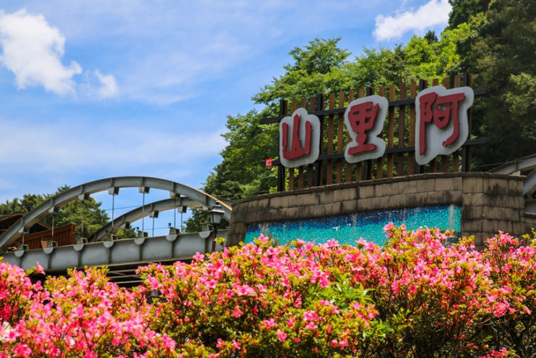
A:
(398, 133)
(40, 234)
(8, 220)
(62, 235)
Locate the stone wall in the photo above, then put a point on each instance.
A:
(489, 202)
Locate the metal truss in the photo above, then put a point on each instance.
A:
(177, 192)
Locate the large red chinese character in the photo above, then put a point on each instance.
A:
(447, 111)
(441, 115)
(299, 136)
(296, 150)
(364, 119)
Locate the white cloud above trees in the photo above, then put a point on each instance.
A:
(432, 14)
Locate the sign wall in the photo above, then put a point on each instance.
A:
(441, 128)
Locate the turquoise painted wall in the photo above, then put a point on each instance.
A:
(350, 228)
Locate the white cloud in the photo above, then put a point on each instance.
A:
(96, 85)
(433, 13)
(32, 50)
(108, 85)
(163, 52)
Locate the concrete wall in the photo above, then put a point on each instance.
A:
(489, 202)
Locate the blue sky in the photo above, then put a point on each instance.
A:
(95, 89)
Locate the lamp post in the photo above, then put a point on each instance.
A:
(215, 216)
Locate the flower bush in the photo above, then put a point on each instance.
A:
(83, 315)
(413, 297)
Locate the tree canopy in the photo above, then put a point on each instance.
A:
(505, 55)
(464, 10)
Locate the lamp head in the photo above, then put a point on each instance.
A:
(216, 214)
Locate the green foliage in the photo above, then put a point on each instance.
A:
(378, 68)
(126, 233)
(464, 10)
(196, 222)
(431, 37)
(429, 60)
(320, 56)
(240, 174)
(522, 100)
(24, 205)
(319, 68)
(505, 53)
(341, 292)
(330, 72)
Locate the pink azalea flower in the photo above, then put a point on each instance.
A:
(220, 343)
(39, 268)
(198, 256)
(269, 323)
(310, 316)
(282, 336)
(311, 326)
(290, 322)
(237, 313)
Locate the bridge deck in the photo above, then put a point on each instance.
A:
(121, 256)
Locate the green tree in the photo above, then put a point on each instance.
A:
(463, 10)
(505, 63)
(24, 205)
(240, 174)
(378, 67)
(431, 37)
(319, 68)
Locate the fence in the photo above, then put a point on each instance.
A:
(398, 133)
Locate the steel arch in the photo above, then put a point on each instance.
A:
(79, 192)
(139, 213)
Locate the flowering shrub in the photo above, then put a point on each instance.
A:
(260, 300)
(16, 291)
(82, 316)
(414, 297)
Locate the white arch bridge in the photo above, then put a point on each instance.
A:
(122, 256)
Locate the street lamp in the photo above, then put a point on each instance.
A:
(215, 216)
